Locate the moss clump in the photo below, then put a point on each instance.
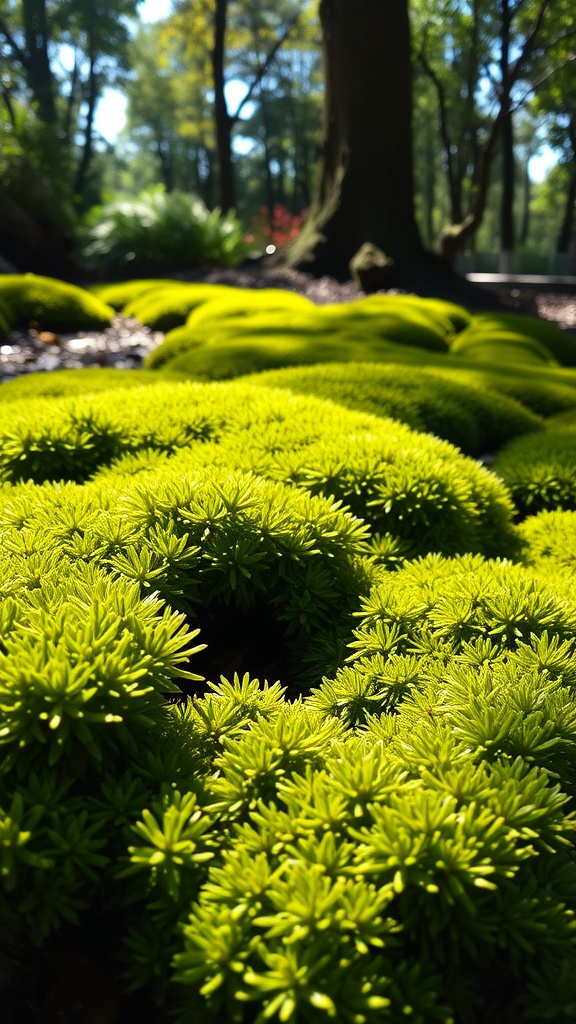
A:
(167, 307)
(550, 540)
(498, 345)
(119, 294)
(415, 487)
(227, 345)
(475, 420)
(65, 383)
(559, 343)
(540, 471)
(54, 305)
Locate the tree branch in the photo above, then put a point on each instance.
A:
(17, 50)
(263, 68)
(444, 133)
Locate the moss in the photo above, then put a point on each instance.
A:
(245, 302)
(550, 540)
(164, 308)
(540, 471)
(560, 343)
(476, 421)
(499, 345)
(120, 294)
(54, 305)
(62, 383)
(235, 348)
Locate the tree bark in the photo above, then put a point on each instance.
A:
(507, 203)
(365, 182)
(88, 147)
(567, 226)
(36, 64)
(224, 123)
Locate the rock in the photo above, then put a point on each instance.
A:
(371, 269)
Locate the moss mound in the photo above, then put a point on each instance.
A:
(62, 383)
(54, 305)
(550, 540)
(540, 471)
(475, 420)
(559, 343)
(498, 345)
(223, 341)
(167, 307)
(119, 294)
(414, 487)
(285, 735)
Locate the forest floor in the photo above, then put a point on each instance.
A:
(126, 342)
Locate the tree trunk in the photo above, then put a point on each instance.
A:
(567, 227)
(365, 182)
(37, 64)
(88, 147)
(224, 123)
(526, 202)
(507, 206)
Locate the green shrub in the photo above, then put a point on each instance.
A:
(159, 231)
(540, 471)
(474, 420)
(54, 305)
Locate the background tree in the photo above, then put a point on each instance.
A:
(501, 48)
(364, 191)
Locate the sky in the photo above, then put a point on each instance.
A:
(111, 111)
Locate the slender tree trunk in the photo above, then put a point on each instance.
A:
(71, 100)
(455, 236)
(224, 123)
(38, 71)
(526, 202)
(268, 176)
(365, 181)
(507, 140)
(88, 147)
(567, 227)
(507, 206)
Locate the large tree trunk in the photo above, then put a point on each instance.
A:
(365, 184)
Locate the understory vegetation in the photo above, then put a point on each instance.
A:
(287, 665)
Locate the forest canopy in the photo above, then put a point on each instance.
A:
(224, 102)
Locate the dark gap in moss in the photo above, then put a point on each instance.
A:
(240, 640)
